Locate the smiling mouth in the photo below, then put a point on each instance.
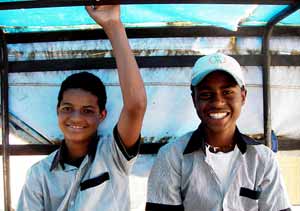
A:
(219, 115)
(75, 127)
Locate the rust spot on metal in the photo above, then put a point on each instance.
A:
(165, 52)
(253, 52)
(31, 56)
(15, 54)
(179, 23)
(232, 45)
(275, 52)
(295, 52)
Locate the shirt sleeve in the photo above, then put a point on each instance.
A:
(273, 192)
(31, 197)
(164, 182)
(123, 158)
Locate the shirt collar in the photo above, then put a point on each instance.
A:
(197, 142)
(61, 154)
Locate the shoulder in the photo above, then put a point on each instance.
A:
(43, 166)
(259, 150)
(168, 162)
(177, 146)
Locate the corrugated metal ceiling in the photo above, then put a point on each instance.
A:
(229, 16)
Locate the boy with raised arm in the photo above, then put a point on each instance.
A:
(88, 173)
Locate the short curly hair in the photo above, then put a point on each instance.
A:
(87, 82)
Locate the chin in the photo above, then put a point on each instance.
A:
(216, 127)
(76, 139)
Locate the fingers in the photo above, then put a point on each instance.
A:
(92, 8)
(88, 8)
(104, 14)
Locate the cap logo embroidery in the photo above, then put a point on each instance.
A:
(217, 59)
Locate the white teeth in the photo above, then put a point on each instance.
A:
(217, 115)
(75, 127)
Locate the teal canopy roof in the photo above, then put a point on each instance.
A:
(229, 16)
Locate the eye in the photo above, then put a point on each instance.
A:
(205, 95)
(228, 92)
(66, 109)
(88, 111)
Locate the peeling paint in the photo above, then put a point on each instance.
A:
(15, 55)
(162, 140)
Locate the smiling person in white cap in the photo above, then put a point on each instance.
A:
(216, 167)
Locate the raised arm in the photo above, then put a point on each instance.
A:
(132, 86)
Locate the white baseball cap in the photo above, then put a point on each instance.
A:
(217, 61)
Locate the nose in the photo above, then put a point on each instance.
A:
(76, 116)
(218, 100)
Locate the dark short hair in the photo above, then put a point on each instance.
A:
(87, 82)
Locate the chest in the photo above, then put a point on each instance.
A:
(201, 185)
(92, 186)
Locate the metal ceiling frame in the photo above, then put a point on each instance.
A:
(17, 124)
(40, 149)
(266, 68)
(63, 3)
(143, 62)
(265, 59)
(153, 32)
(5, 120)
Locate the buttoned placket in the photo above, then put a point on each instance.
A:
(216, 179)
(69, 201)
(233, 175)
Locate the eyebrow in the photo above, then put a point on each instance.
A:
(84, 106)
(89, 106)
(65, 103)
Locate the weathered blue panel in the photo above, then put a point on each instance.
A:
(226, 16)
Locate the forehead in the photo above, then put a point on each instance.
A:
(79, 97)
(217, 78)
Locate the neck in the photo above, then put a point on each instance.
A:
(76, 151)
(220, 139)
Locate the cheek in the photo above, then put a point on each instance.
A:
(61, 122)
(94, 121)
(62, 117)
(237, 106)
(200, 108)
(201, 104)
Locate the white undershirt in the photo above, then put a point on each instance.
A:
(222, 164)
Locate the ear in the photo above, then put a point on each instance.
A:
(193, 95)
(102, 115)
(193, 98)
(244, 94)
